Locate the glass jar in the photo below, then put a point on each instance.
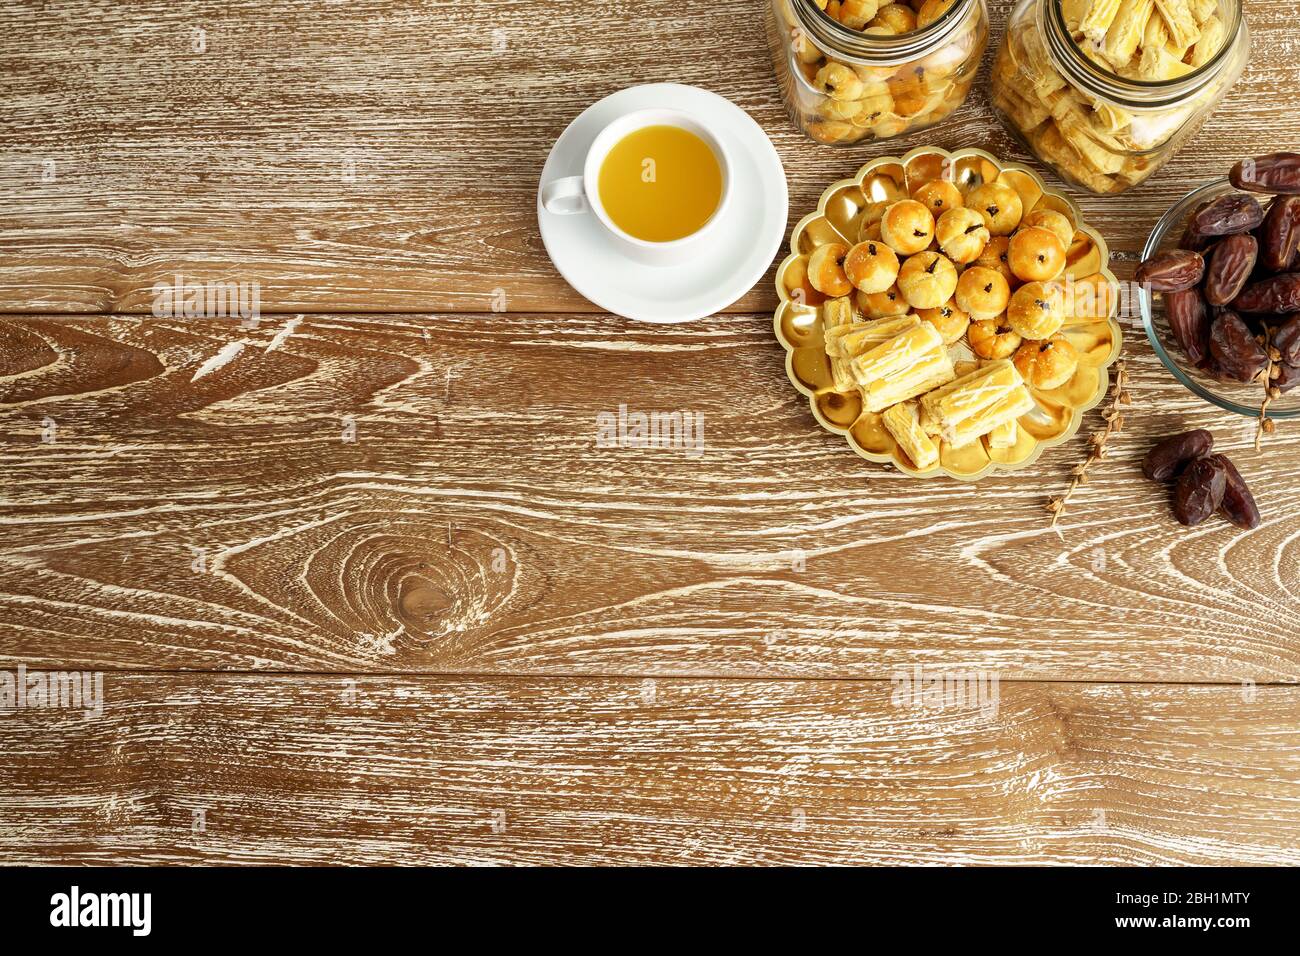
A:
(886, 70)
(1103, 92)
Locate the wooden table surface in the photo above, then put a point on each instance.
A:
(363, 588)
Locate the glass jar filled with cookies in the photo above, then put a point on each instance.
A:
(853, 71)
(1106, 91)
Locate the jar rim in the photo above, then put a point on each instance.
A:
(884, 49)
(1121, 90)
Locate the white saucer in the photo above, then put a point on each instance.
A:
(748, 236)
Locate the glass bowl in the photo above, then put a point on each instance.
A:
(1243, 399)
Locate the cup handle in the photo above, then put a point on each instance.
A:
(565, 196)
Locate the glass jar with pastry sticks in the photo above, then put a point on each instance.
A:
(1106, 91)
(854, 71)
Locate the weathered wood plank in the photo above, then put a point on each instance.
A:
(314, 769)
(474, 525)
(355, 157)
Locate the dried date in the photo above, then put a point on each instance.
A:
(1286, 339)
(1167, 458)
(1231, 263)
(1189, 320)
(1274, 173)
(1191, 238)
(1274, 295)
(1199, 493)
(1238, 504)
(1236, 353)
(1280, 234)
(1228, 215)
(1172, 271)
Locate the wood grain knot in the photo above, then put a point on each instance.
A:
(423, 603)
(392, 587)
(424, 584)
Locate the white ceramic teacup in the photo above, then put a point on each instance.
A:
(574, 195)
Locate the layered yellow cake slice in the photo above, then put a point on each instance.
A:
(1096, 22)
(1005, 435)
(903, 421)
(1180, 21)
(846, 340)
(1075, 11)
(978, 402)
(867, 335)
(1208, 43)
(836, 313)
(904, 366)
(836, 335)
(855, 338)
(837, 319)
(1126, 30)
(838, 340)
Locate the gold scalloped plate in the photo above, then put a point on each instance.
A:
(798, 319)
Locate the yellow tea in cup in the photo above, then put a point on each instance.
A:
(660, 183)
